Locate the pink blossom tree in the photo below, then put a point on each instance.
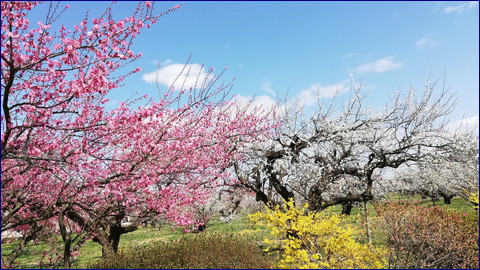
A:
(74, 168)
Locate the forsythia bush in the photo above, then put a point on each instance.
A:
(429, 237)
(315, 240)
(474, 198)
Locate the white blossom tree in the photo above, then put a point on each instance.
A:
(340, 153)
(444, 176)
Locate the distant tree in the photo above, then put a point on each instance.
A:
(444, 176)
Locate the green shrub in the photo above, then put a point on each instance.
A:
(199, 251)
(429, 237)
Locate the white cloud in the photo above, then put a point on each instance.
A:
(193, 75)
(267, 87)
(310, 96)
(262, 101)
(262, 106)
(305, 98)
(452, 9)
(472, 4)
(460, 8)
(426, 42)
(380, 65)
(469, 124)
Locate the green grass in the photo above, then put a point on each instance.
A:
(232, 227)
(90, 251)
(378, 238)
(26, 260)
(142, 237)
(458, 204)
(145, 237)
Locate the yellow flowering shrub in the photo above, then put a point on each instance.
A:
(315, 240)
(474, 198)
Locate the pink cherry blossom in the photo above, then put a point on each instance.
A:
(68, 162)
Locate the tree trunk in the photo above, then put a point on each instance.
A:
(347, 208)
(102, 236)
(104, 241)
(110, 246)
(114, 237)
(67, 240)
(199, 228)
(367, 227)
(447, 199)
(67, 262)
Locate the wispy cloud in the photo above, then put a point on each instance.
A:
(381, 65)
(267, 87)
(310, 96)
(257, 101)
(260, 105)
(426, 42)
(305, 98)
(192, 76)
(468, 124)
(460, 8)
(473, 4)
(353, 56)
(163, 63)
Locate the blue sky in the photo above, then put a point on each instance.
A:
(274, 47)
